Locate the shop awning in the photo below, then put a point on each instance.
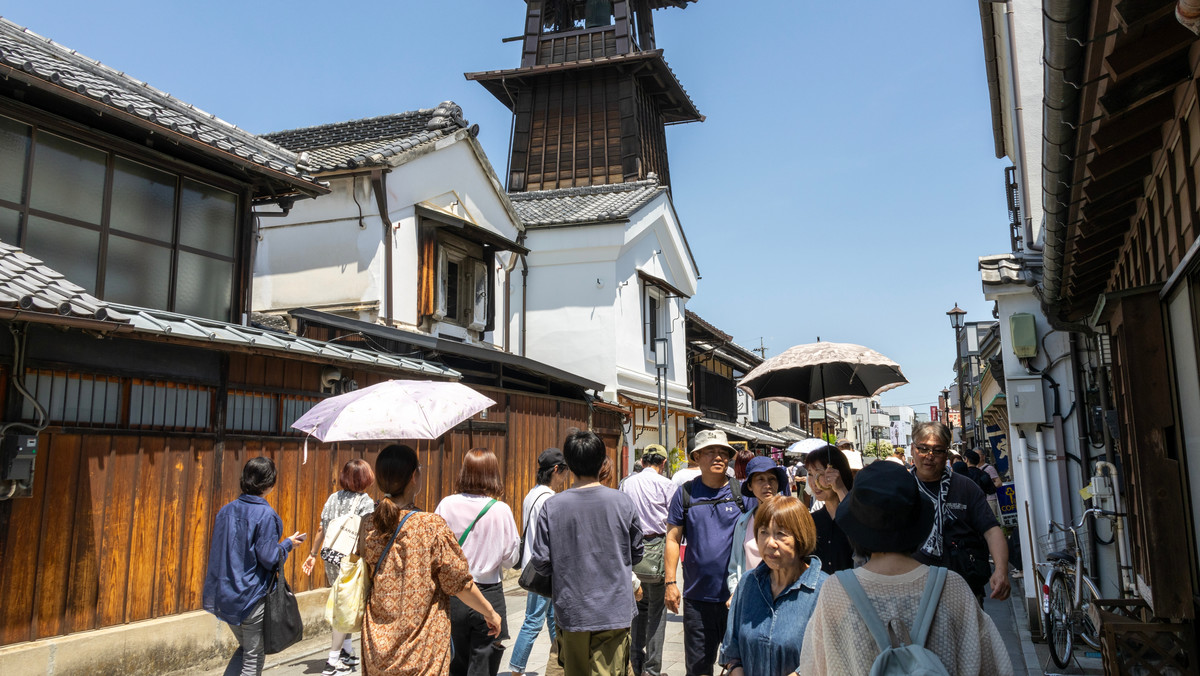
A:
(636, 400)
(755, 435)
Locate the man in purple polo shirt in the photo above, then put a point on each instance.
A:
(705, 510)
(651, 493)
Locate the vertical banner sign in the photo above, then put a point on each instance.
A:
(933, 414)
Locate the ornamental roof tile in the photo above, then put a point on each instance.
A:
(55, 67)
(370, 141)
(1004, 269)
(587, 204)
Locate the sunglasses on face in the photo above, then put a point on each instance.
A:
(930, 450)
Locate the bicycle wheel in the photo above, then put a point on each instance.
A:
(1088, 631)
(1061, 638)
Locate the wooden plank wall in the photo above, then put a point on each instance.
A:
(567, 133)
(118, 527)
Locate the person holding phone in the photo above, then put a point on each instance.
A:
(247, 548)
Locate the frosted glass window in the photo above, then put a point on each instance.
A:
(165, 405)
(10, 222)
(208, 218)
(73, 399)
(143, 201)
(293, 409)
(137, 273)
(250, 412)
(69, 249)
(203, 286)
(14, 150)
(68, 178)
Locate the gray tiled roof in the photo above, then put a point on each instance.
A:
(57, 66)
(588, 204)
(1003, 269)
(368, 142)
(27, 284)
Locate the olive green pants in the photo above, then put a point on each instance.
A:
(591, 653)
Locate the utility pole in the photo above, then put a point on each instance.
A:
(761, 349)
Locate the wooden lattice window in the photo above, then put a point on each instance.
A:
(70, 398)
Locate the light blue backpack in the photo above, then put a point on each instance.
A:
(896, 656)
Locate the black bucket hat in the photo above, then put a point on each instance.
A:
(885, 511)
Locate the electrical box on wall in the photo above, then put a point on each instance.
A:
(1023, 328)
(1026, 401)
(18, 455)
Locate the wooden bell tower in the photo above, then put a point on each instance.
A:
(592, 97)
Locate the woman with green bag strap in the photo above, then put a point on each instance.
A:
(488, 535)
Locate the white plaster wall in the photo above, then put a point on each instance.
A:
(1021, 98)
(585, 299)
(320, 254)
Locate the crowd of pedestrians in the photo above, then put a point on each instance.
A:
(855, 573)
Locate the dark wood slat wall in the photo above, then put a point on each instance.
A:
(119, 524)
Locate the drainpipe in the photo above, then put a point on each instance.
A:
(1044, 476)
(524, 297)
(508, 270)
(1123, 562)
(1031, 535)
(1064, 24)
(384, 215)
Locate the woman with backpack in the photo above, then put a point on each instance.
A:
(351, 498)
(417, 568)
(488, 535)
(940, 627)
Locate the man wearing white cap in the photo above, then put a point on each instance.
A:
(705, 510)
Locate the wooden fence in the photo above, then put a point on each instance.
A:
(118, 527)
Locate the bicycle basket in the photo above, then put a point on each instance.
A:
(1062, 542)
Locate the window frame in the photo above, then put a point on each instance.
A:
(40, 121)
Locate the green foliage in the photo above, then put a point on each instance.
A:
(879, 449)
(678, 460)
(829, 438)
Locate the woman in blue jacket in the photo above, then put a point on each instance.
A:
(247, 548)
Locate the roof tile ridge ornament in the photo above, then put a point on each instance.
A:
(447, 115)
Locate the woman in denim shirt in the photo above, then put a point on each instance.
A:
(773, 602)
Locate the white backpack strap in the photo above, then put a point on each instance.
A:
(929, 602)
(866, 609)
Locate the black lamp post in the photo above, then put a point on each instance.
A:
(957, 316)
(946, 405)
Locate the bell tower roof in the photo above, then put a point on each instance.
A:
(592, 96)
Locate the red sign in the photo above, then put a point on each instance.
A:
(933, 413)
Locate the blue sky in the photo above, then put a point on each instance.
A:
(842, 186)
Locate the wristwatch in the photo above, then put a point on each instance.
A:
(671, 582)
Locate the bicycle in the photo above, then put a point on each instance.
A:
(1068, 593)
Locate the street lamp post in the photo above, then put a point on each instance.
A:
(660, 364)
(957, 316)
(946, 405)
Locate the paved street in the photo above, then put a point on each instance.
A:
(1027, 658)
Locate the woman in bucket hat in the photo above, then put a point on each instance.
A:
(887, 520)
(764, 479)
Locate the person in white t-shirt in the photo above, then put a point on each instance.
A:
(551, 478)
(489, 538)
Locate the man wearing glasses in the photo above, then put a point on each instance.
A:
(964, 530)
(705, 510)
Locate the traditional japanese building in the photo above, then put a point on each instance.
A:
(609, 270)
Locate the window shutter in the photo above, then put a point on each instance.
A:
(479, 295)
(426, 272)
(442, 270)
(489, 260)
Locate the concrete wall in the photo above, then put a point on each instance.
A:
(195, 640)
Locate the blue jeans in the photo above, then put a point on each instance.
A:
(539, 610)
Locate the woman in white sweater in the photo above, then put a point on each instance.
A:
(488, 535)
(886, 518)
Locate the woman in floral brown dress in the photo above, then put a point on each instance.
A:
(406, 628)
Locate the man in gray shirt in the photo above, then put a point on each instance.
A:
(587, 540)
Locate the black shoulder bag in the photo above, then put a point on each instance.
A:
(282, 625)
